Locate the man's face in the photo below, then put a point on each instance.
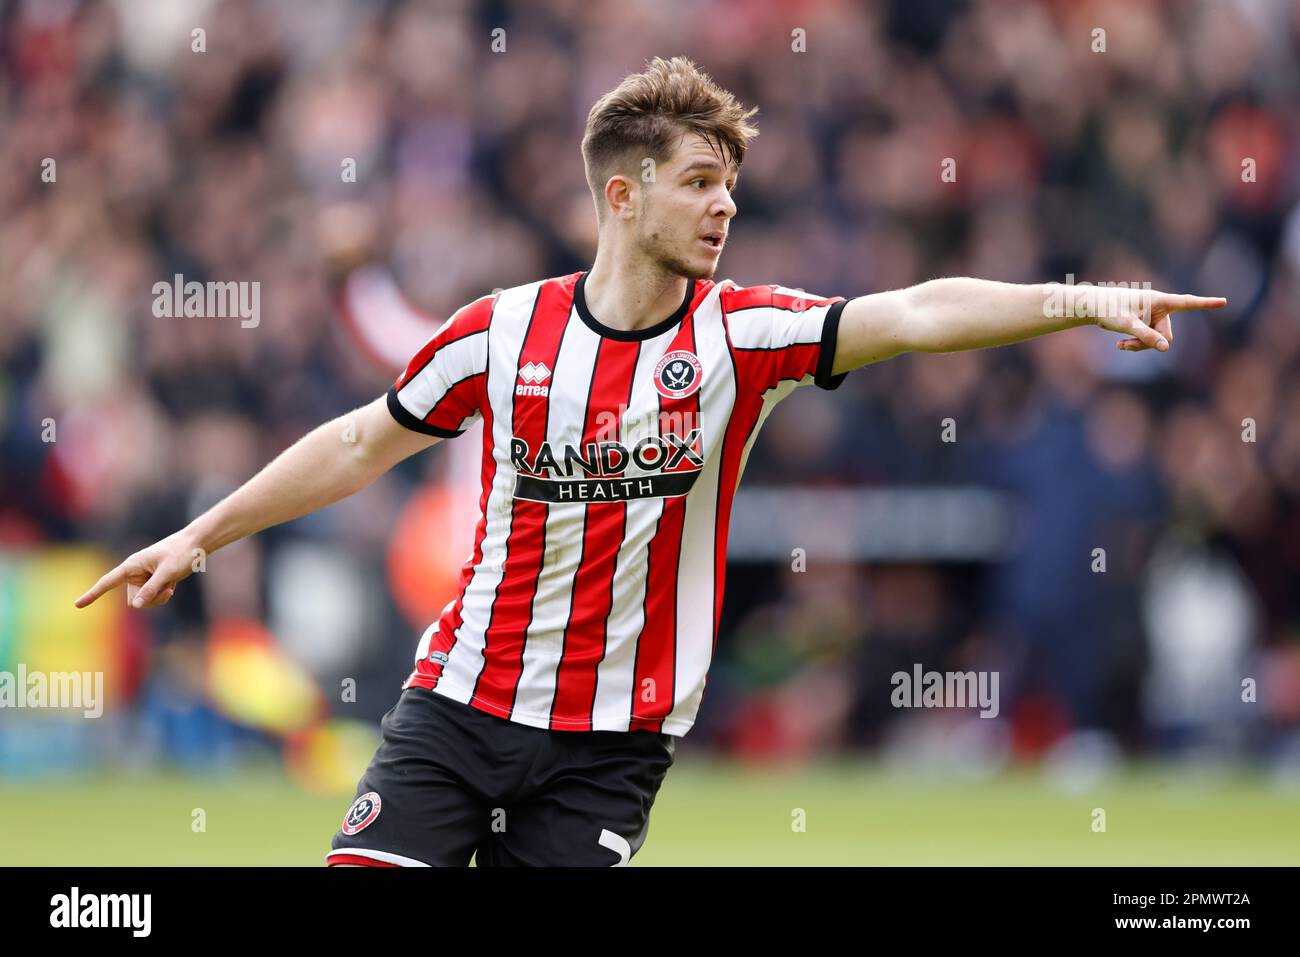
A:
(687, 209)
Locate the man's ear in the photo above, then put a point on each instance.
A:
(621, 196)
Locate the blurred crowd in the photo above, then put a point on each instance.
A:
(1109, 141)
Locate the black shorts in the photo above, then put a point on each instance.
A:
(450, 781)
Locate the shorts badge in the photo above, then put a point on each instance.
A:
(362, 813)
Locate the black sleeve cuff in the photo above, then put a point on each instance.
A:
(826, 356)
(398, 411)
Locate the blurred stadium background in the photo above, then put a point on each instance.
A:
(1121, 690)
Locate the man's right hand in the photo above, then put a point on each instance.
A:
(332, 461)
(151, 574)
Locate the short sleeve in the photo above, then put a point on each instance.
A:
(441, 391)
(783, 335)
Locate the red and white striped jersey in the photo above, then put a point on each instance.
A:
(610, 458)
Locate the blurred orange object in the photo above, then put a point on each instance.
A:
(431, 541)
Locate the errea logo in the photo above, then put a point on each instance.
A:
(533, 374)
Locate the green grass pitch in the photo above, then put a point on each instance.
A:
(707, 813)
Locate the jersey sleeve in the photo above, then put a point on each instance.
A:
(442, 390)
(781, 335)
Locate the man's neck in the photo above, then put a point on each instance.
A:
(629, 297)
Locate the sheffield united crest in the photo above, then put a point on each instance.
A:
(678, 374)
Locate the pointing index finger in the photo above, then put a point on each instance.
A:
(107, 583)
(1197, 302)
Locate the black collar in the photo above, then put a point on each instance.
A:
(629, 335)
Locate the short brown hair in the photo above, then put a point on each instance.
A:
(648, 114)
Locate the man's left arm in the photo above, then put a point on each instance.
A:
(949, 315)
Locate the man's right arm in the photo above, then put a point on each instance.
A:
(329, 463)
